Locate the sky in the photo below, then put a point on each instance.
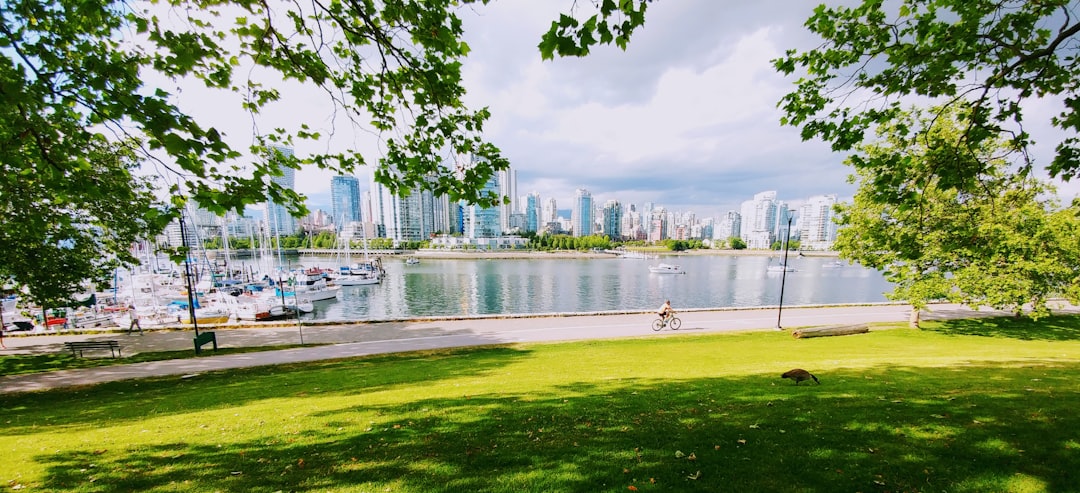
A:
(685, 118)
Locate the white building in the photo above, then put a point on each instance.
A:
(759, 219)
(817, 231)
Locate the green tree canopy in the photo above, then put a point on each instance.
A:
(978, 244)
(74, 80)
(985, 56)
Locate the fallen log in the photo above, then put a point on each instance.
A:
(832, 330)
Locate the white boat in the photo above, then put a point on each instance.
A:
(412, 261)
(666, 269)
(356, 275)
(780, 268)
(308, 289)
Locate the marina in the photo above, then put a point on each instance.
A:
(477, 286)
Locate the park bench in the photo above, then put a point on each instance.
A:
(203, 339)
(77, 347)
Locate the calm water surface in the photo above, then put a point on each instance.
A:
(453, 287)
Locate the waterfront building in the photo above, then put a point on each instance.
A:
(817, 231)
(611, 224)
(549, 213)
(483, 222)
(532, 212)
(728, 227)
(398, 218)
(581, 218)
(344, 199)
(658, 224)
(278, 219)
(759, 220)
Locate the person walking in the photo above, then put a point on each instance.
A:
(134, 320)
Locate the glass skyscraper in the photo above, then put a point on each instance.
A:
(345, 200)
(582, 215)
(484, 222)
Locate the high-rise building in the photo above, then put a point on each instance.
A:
(658, 224)
(483, 222)
(400, 218)
(344, 200)
(532, 212)
(759, 220)
(550, 212)
(728, 226)
(612, 220)
(581, 219)
(817, 231)
(278, 219)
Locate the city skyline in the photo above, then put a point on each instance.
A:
(686, 116)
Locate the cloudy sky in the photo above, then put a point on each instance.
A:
(685, 118)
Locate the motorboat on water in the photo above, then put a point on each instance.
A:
(666, 269)
(412, 261)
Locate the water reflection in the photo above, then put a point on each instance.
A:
(451, 287)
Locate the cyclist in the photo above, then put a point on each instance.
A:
(666, 312)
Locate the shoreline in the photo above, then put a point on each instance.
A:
(567, 254)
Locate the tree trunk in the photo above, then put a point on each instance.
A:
(913, 321)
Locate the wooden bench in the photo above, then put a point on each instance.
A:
(77, 347)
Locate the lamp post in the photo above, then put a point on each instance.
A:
(783, 273)
(187, 279)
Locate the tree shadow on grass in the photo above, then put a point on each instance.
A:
(124, 402)
(963, 429)
(1053, 328)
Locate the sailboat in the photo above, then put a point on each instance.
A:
(358, 273)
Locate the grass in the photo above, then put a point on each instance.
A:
(949, 408)
(18, 364)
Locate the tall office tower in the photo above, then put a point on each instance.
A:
(344, 200)
(457, 218)
(441, 215)
(817, 231)
(532, 212)
(658, 224)
(507, 180)
(758, 228)
(278, 219)
(581, 219)
(483, 222)
(782, 215)
(550, 213)
(398, 218)
(612, 220)
(728, 226)
(626, 225)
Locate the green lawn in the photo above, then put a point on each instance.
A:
(966, 406)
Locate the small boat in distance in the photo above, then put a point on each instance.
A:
(666, 269)
(780, 268)
(412, 261)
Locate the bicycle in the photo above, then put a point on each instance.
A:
(672, 322)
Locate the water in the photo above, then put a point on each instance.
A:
(458, 287)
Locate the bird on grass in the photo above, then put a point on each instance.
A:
(799, 374)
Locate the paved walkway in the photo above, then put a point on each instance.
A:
(360, 339)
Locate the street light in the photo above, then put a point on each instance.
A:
(783, 273)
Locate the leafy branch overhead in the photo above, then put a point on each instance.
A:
(76, 79)
(990, 56)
